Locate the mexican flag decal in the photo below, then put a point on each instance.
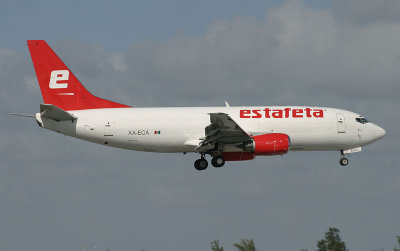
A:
(157, 132)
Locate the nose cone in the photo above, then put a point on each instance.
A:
(379, 132)
(371, 133)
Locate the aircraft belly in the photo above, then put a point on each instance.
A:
(322, 141)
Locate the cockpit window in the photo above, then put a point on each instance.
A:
(362, 120)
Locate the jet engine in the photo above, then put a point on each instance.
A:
(268, 144)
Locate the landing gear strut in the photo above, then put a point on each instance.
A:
(343, 160)
(217, 161)
(201, 163)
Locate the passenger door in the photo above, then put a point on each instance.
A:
(341, 124)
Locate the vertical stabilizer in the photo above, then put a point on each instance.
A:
(58, 84)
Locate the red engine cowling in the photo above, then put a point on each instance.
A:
(237, 156)
(269, 144)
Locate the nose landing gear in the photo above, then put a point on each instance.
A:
(343, 160)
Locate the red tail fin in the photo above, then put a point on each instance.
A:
(59, 85)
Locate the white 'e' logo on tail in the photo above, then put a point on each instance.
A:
(58, 75)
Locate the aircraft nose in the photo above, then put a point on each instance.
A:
(379, 132)
(371, 133)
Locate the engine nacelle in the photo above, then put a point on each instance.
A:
(268, 144)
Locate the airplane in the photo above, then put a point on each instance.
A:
(225, 133)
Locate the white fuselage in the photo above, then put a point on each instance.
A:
(182, 129)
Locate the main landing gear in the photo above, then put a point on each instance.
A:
(202, 163)
(343, 160)
(218, 161)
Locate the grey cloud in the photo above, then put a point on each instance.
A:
(295, 47)
(366, 12)
(294, 52)
(117, 61)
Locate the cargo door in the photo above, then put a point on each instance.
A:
(109, 129)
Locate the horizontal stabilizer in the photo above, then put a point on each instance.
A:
(22, 115)
(55, 113)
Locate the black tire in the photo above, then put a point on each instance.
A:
(344, 161)
(218, 161)
(201, 164)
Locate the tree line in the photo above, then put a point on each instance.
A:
(331, 242)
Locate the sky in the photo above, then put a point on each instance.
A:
(60, 193)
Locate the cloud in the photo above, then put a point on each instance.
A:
(296, 55)
(117, 61)
(366, 12)
(31, 82)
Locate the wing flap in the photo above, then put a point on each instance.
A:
(222, 130)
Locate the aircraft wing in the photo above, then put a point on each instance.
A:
(222, 130)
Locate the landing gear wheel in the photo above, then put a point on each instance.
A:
(218, 161)
(201, 164)
(344, 161)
